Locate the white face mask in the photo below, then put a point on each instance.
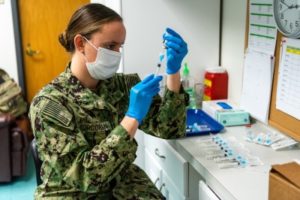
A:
(106, 64)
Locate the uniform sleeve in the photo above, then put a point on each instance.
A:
(167, 116)
(65, 152)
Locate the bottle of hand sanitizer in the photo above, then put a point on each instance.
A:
(188, 85)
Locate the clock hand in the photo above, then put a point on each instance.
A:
(291, 7)
(282, 1)
(284, 10)
(296, 6)
(287, 6)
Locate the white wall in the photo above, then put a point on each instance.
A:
(113, 4)
(196, 20)
(144, 51)
(8, 59)
(233, 37)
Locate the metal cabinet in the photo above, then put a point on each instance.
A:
(161, 178)
(169, 171)
(169, 189)
(166, 168)
(206, 193)
(153, 170)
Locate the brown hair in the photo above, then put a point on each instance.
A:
(85, 21)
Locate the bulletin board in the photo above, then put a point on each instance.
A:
(278, 119)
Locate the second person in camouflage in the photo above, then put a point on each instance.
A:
(85, 120)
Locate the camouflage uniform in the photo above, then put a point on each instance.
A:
(11, 99)
(86, 154)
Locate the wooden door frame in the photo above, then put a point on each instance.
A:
(18, 44)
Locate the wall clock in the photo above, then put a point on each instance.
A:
(287, 17)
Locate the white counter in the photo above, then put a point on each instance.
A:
(235, 183)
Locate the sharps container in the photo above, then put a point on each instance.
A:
(215, 83)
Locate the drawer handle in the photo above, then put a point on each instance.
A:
(157, 153)
(161, 187)
(156, 181)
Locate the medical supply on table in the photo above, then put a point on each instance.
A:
(199, 123)
(263, 136)
(215, 83)
(226, 112)
(284, 143)
(227, 153)
(188, 85)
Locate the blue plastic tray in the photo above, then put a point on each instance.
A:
(200, 123)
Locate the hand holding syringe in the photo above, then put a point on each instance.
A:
(176, 51)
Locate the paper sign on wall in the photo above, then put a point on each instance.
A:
(262, 27)
(288, 89)
(257, 83)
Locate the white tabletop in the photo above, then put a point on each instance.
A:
(235, 183)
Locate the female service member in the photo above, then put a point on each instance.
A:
(85, 120)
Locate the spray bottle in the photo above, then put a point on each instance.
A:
(188, 85)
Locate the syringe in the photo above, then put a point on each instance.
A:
(161, 58)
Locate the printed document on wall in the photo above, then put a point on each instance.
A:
(288, 89)
(257, 84)
(262, 27)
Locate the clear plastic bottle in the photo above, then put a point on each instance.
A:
(188, 85)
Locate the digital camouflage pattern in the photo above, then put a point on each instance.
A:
(11, 99)
(86, 154)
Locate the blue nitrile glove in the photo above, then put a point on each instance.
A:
(141, 97)
(176, 50)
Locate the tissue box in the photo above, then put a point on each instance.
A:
(226, 113)
(284, 182)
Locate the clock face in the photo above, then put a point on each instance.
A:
(287, 17)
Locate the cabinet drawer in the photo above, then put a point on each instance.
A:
(140, 159)
(169, 190)
(170, 161)
(153, 170)
(205, 193)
